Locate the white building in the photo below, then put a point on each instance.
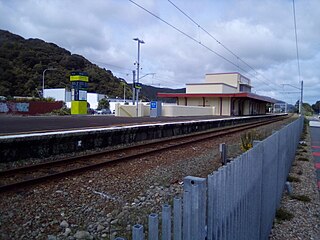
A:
(62, 94)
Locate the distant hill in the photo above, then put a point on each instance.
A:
(22, 62)
(150, 92)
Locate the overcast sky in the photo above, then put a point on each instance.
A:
(255, 38)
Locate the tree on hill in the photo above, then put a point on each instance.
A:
(316, 107)
(22, 63)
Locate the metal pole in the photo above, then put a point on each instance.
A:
(43, 82)
(124, 92)
(133, 88)
(43, 73)
(301, 98)
(138, 71)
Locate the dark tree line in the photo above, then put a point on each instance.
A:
(22, 62)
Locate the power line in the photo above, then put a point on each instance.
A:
(206, 47)
(187, 35)
(108, 64)
(296, 36)
(224, 46)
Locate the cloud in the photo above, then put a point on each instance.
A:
(260, 32)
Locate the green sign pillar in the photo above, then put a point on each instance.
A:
(79, 82)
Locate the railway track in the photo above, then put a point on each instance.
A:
(33, 174)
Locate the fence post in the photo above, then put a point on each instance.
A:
(177, 219)
(196, 208)
(137, 232)
(186, 215)
(153, 229)
(166, 222)
(223, 153)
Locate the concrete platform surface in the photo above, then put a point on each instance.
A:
(28, 124)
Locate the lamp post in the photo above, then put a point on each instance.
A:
(47, 69)
(147, 75)
(138, 69)
(124, 90)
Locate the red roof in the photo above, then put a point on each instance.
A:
(212, 95)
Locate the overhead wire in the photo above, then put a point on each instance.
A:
(296, 38)
(187, 35)
(219, 42)
(206, 47)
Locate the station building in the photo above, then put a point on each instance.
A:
(229, 94)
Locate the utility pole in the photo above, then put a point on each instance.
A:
(138, 70)
(133, 87)
(301, 98)
(43, 73)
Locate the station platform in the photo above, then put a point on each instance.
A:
(45, 136)
(13, 125)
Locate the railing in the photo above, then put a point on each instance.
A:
(238, 201)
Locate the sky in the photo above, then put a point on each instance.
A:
(184, 39)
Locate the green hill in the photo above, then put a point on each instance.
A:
(22, 62)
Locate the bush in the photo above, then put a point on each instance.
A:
(61, 112)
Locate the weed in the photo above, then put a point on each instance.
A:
(283, 215)
(293, 179)
(302, 198)
(248, 138)
(303, 159)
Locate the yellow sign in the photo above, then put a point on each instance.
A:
(78, 107)
(79, 78)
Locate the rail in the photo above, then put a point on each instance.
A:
(33, 174)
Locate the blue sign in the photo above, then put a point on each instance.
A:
(153, 105)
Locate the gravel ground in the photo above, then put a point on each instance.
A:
(105, 203)
(303, 203)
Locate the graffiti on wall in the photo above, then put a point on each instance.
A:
(29, 108)
(22, 107)
(6, 107)
(3, 108)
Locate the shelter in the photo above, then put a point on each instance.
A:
(228, 93)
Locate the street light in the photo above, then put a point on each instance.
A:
(47, 69)
(123, 82)
(147, 75)
(138, 69)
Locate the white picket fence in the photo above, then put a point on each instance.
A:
(238, 201)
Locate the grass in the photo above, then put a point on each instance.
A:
(283, 215)
(302, 198)
(293, 179)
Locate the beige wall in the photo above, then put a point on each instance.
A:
(167, 110)
(198, 102)
(210, 88)
(210, 102)
(175, 111)
(230, 79)
(226, 105)
(131, 110)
